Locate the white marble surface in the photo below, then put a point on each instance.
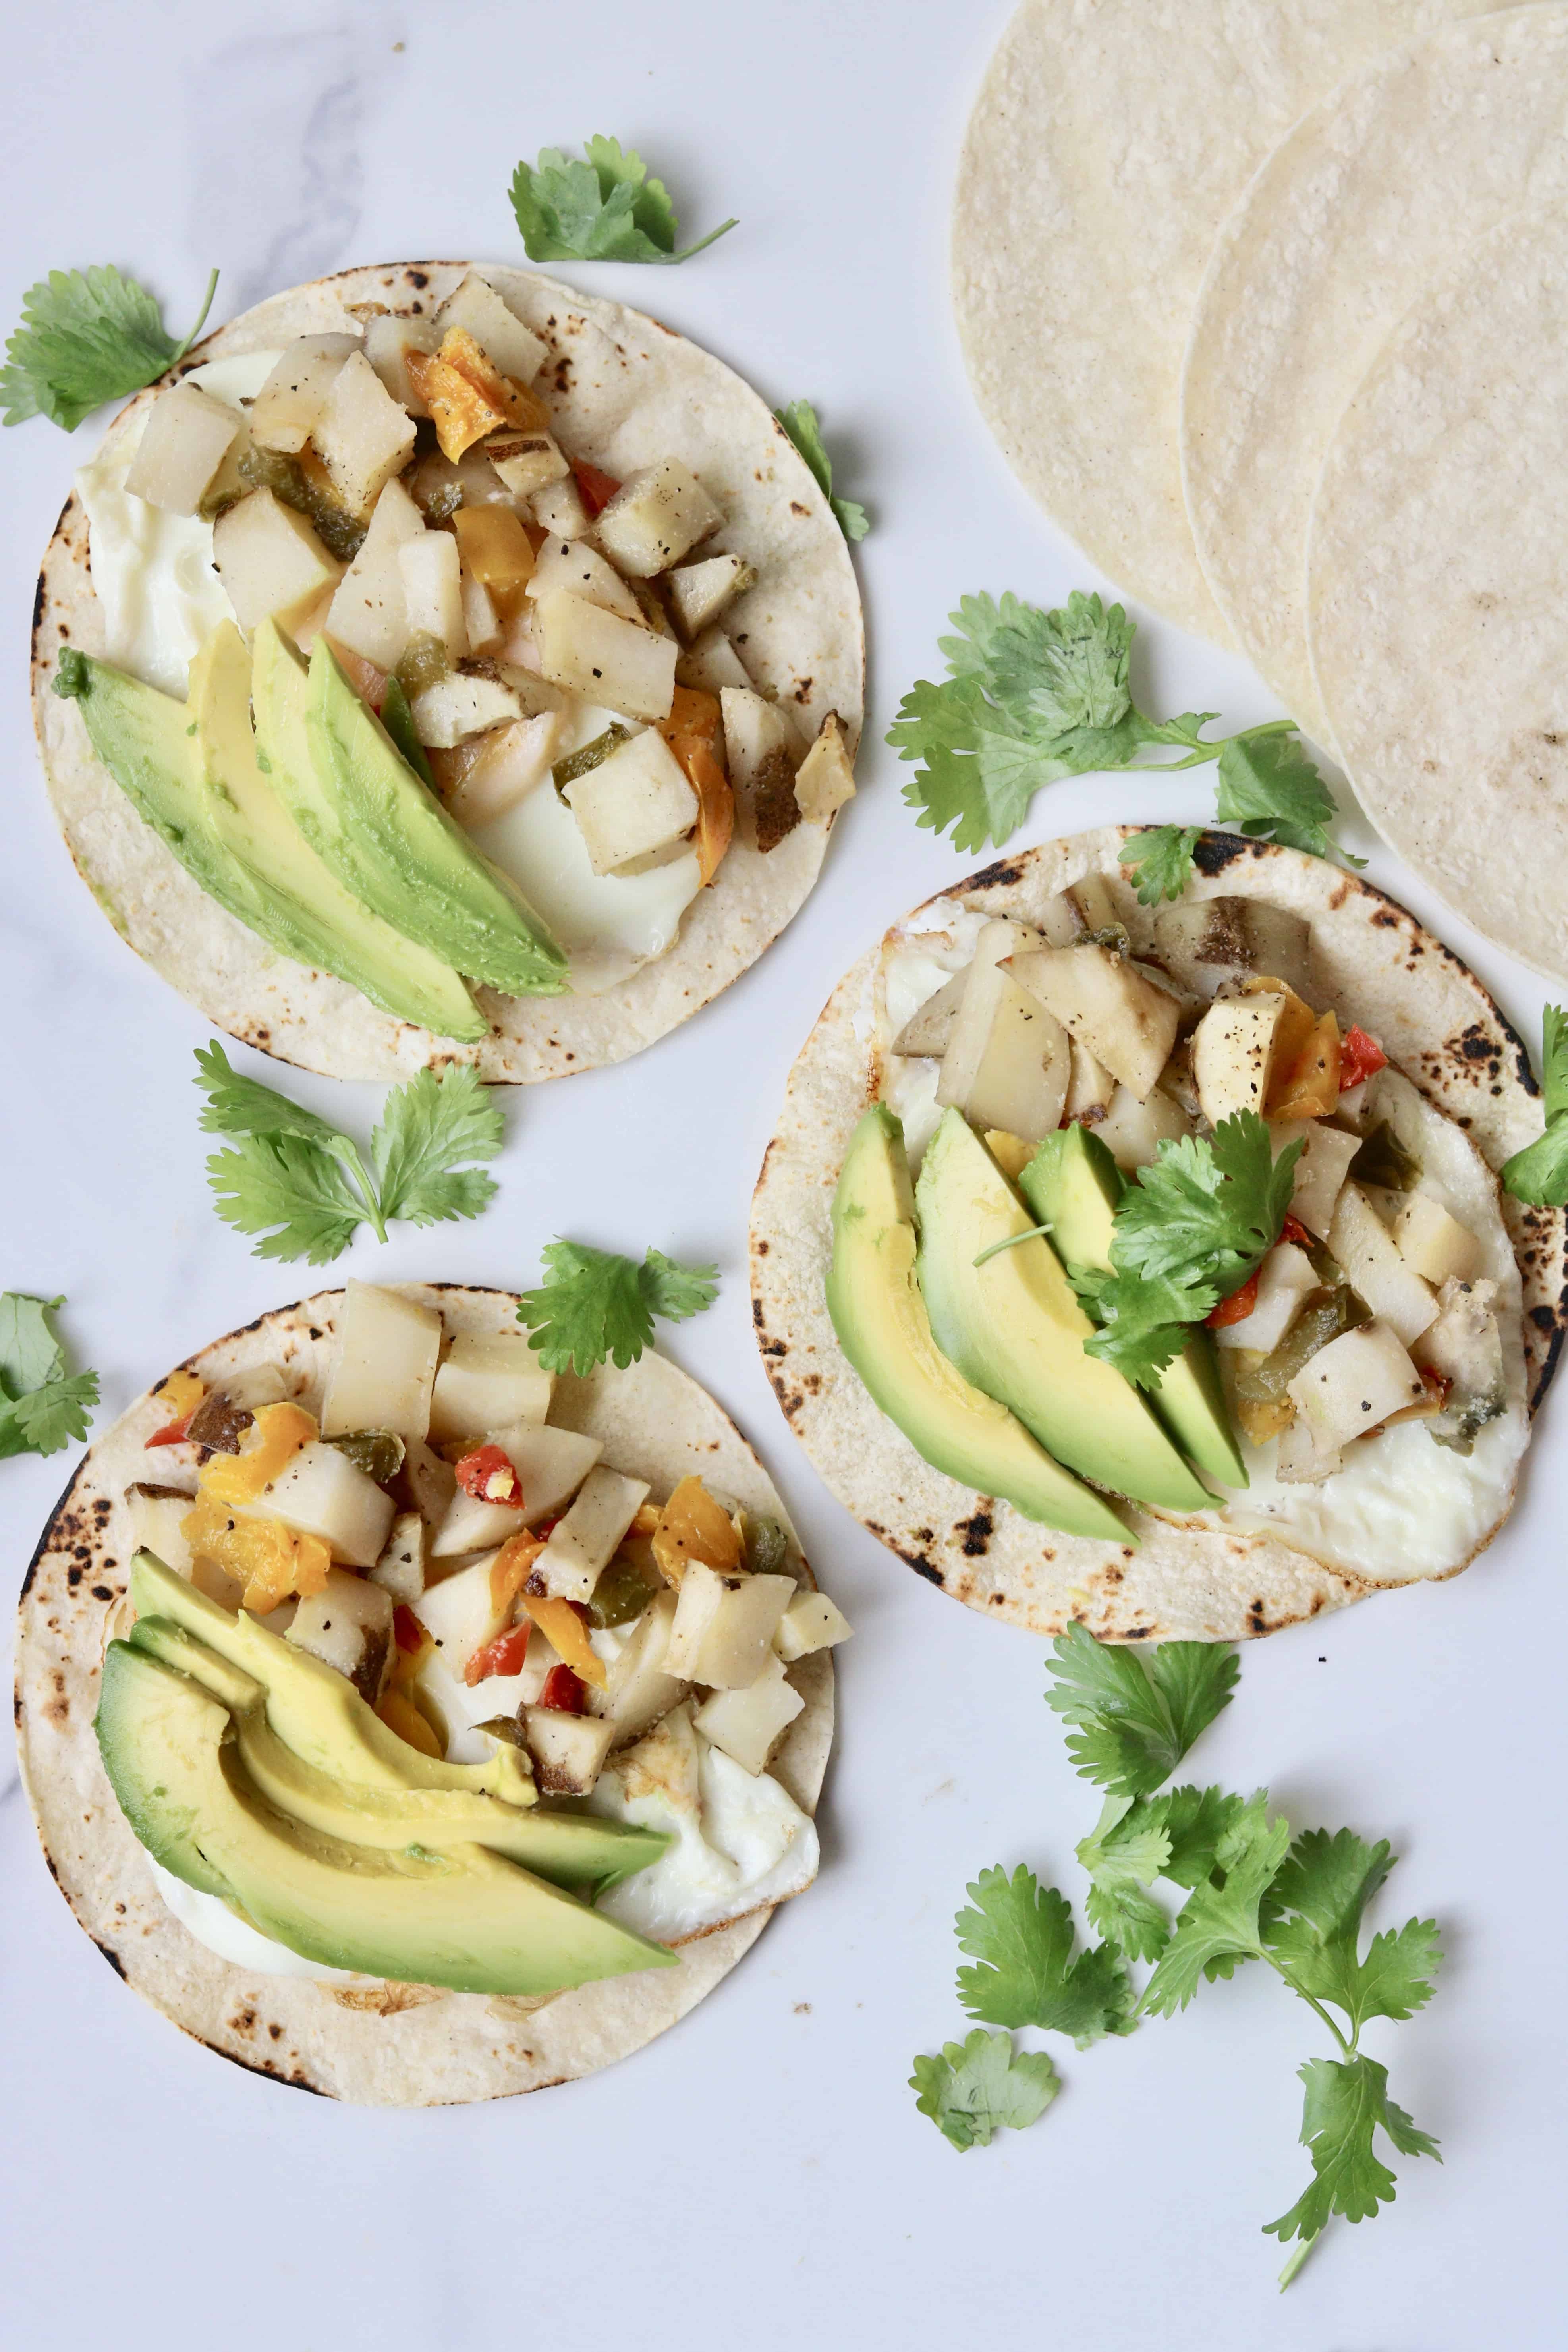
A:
(759, 2176)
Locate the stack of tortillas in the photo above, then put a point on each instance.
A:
(1269, 308)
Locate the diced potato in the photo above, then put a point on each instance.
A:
(270, 560)
(1205, 942)
(711, 664)
(155, 1516)
(259, 1384)
(656, 519)
(498, 552)
(571, 566)
(640, 1690)
(1007, 1061)
(582, 1546)
(347, 1625)
(1354, 1384)
(460, 1614)
(369, 614)
(1464, 1344)
(811, 1622)
(568, 1751)
(363, 437)
(1091, 900)
(761, 752)
(550, 1465)
(1433, 1243)
(724, 1624)
(700, 592)
(432, 569)
(1320, 1171)
(1233, 1050)
(460, 705)
(481, 312)
(400, 1570)
(515, 760)
(386, 1365)
(632, 803)
(1363, 1247)
(824, 779)
(748, 1724)
(929, 1030)
(430, 1481)
(488, 1379)
(1132, 1131)
(481, 623)
(289, 405)
(1301, 1461)
(557, 507)
(1284, 1281)
(388, 339)
(527, 462)
(610, 661)
(185, 439)
(1124, 1020)
(1090, 1088)
(322, 1494)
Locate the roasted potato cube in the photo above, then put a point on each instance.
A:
(363, 437)
(1326, 1156)
(369, 614)
(185, 439)
(385, 1364)
(1007, 1061)
(347, 1625)
(1233, 1054)
(724, 1624)
(1090, 1088)
(488, 1379)
(748, 1724)
(1132, 1131)
(320, 1493)
(1285, 1279)
(512, 349)
(400, 1570)
(928, 1032)
(824, 779)
(763, 753)
(557, 507)
(1356, 1381)
(459, 707)
(811, 1622)
(596, 654)
(289, 405)
(270, 561)
(461, 1614)
(1092, 901)
(527, 461)
(550, 1465)
(515, 760)
(638, 1690)
(156, 1512)
(1434, 1244)
(636, 802)
(432, 570)
(700, 592)
(1098, 996)
(710, 663)
(1205, 942)
(582, 1546)
(388, 341)
(568, 1751)
(571, 566)
(1364, 1247)
(656, 519)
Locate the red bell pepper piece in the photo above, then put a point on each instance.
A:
(1293, 1229)
(564, 1691)
(504, 1656)
(1359, 1058)
(597, 489)
(173, 1433)
(1236, 1307)
(489, 1476)
(406, 1630)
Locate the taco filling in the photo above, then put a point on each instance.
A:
(413, 689)
(415, 1683)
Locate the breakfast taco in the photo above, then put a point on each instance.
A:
(1146, 1265)
(409, 1724)
(443, 664)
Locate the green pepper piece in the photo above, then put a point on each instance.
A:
(621, 1595)
(398, 720)
(377, 1452)
(767, 1547)
(1383, 1159)
(577, 763)
(1325, 1315)
(425, 662)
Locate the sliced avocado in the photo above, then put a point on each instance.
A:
(1073, 1185)
(579, 1851)
(458, 1916)
(162, 1816)
(325, 925)
(389, 840)
(1015, 1327)
(880, 1320)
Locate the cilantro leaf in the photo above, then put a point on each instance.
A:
(1158, 861)
(286, 1184)
(1199, 1823)
(427, 1128)
(1312, 1919)
(1346, 2102)
(86, 336)
(976, 2086)
(977, 776)
(238, 1105)
(1137, 1712)
(605, 209)
(1539, 1174)
(799, 421)
(1268, 786)
(1022, 1935)
(42, 1407)
(1127, 1850)
(1218, 1925)
(595, 1303)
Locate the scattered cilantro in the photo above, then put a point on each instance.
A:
(1032, 696)
(1346, 2100)
(42, 1406)
(607, 209)
(86, 336)
(593, 1303)
(1137, 1712)
(1159, 861)
(1539, 1173)
(1022, 1935)
(1218, 1924)
(799, 421)
(976, 2086)
(1175, 1836)
(305, 1185)
(1192, 1229)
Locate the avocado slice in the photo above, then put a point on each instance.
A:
(578, 1851)
(1073, 1185)
(458, 1917)
(880, 1320)
(161, 1816)
(1015, 1327)
(326, 926)
(389, 840)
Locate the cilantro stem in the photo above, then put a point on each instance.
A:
(1348, 2047)
(1030, 1233)
(348, 1155)
(1298, 2256)
(190, 339)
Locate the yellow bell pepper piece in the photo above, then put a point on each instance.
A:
(281, 1431)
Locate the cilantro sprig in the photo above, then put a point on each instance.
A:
(1031, 697)
(1197, 1224)
(86, 336)
(42, 1406)
(1253, 1894)
(799, 421)
(605, 209)
(305, 1185)
(594, 1304)
(1539, 1174)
